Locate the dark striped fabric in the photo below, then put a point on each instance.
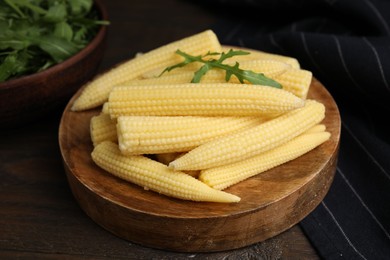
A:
(346, 44)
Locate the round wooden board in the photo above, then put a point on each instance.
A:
(271, 202)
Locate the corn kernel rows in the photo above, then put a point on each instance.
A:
(217, 178)
(151, 64)
(206, 136)
(96, 92)
(220, 99)
(155, 176)
(156, 134)
(300, 134)
(252, 141)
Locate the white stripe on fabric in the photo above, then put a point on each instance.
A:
(366, 150)
(306, 47)
(379, 15)
(273, 42)
(362, 202)
(341, 230)
(340, 52)
(379, 62)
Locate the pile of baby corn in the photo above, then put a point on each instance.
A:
(192, 140)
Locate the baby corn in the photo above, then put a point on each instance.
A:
(252, 141)
(201, 137)
(296, 81)
(166, 134)
(228, 175)
(96, 92)
(256, 54)
(222, 99)
(103, 128)
(269, 68)
(156, 176)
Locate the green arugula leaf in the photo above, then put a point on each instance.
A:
(26, 4)
(13, 64)
(80, 34)
(231, 53)
(7, 67)
(230, 70)
(80, 6)
(16, 44)
(63, 30)
(37, 34)
(187, 60)
(56, 13)
(59, 49)
(199, 74)
(13, 4)
(181, 64)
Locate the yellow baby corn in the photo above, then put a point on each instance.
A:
(261, 62)
(317, 128)
(103, 128)
(105, 108)
(269, 68)
(252, 141)
(256, 54)
(155, 176)
(222, 99)
(166, 158)
(166, 134)
(176, 78)
(155, 73)
(212, 76)
(227, 175)
(96, 92)
(296, 81)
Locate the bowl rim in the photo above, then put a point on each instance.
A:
(97, 39)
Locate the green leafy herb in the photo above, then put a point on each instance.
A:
(35, 35)
(230, 70)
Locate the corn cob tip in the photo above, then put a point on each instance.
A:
(97, 90)
(225, 176)
(172, 165)
(155, 176)
(256, 139)
(233, 198)
(74, 107)
(81, 104)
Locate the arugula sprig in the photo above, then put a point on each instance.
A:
(35, 35)
(230, 70)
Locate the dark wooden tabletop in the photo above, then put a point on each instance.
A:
(40, 219)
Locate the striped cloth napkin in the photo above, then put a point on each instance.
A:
(346, 44)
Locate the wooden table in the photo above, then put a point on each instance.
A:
(39, 217)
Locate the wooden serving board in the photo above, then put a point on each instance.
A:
(271, 202)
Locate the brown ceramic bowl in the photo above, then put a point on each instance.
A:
(34, 96)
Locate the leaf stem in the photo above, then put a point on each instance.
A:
(242, 75)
